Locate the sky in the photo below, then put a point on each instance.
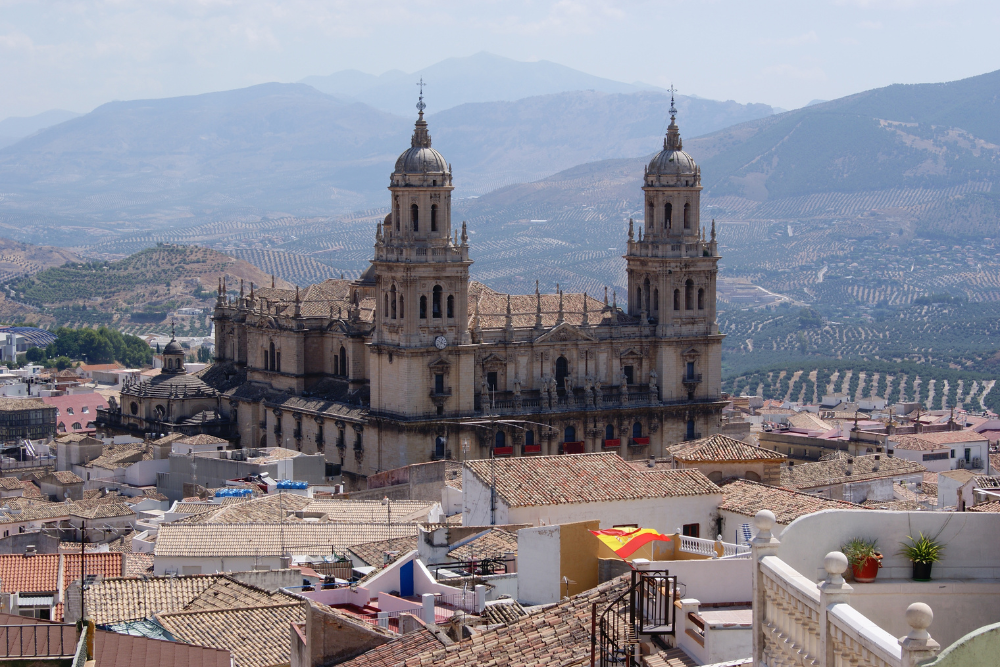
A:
(77, 55)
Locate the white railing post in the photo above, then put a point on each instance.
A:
(832, 591)
(428, 602)
(763, 545)
(480, 598)
(918, 645)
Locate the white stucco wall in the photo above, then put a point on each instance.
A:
(664, 514)
(937, 465)
(538, 566)
(211, 565)
(712, 580)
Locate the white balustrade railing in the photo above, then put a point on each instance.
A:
(710, 548)
(697, 545)
(799, 623)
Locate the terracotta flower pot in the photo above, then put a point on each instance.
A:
(865, 573)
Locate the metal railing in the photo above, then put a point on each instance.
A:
(646, 607)
(48, 640)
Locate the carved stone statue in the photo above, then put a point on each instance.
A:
(517, 387)
(624, 385)
(568, 384)
(652, 385)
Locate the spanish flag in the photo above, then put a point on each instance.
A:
(625, 542)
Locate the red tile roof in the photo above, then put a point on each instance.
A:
(991, 506)
(939, 440)
(583, 478)
(557, 636)
(747, 498)
(719, 448)
(396, 651)
(40, 573)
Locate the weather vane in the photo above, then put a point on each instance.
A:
(420, 103)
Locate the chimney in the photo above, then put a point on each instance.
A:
(850, 466)
(286, 562)
(877, 463)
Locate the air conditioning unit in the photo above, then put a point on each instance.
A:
(977, 463)
(960, 463)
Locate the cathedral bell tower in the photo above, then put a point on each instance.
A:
(671, 266)
(421, 275)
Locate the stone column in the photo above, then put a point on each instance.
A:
(763, 545)
(832, 591)
(918, 646)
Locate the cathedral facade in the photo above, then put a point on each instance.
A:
(413, 361)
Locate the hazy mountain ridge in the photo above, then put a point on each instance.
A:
(276, 150)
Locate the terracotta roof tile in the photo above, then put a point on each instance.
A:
(373, 553)
(583, 478)
(991, 506)
(747, 498)
(493, 542)
(266, 539)
(396, 651)
(834, 471)
(40, 573)
(939, 440)
(719, 447)
(557, 636)
(256, 636)
(119, 600)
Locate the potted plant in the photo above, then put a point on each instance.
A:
(864, 558)
(923, 552)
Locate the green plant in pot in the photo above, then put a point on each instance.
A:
(923, 552)
(864, 558)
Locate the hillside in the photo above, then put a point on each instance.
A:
(23, 259)
(935, 388)
(136, 292)
(136, 169)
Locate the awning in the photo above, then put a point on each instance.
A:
(34, 600)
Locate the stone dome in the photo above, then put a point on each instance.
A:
(669, 162)
(173, 347)
(421, 160)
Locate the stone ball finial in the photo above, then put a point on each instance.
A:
(764, 520)
(835, 563)
(919, 616)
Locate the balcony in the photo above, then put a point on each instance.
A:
(691, 379)
(574, 447)
(638, 442)
(833, 623)
(612, 444)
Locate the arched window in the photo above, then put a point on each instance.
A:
(500, 440)
(451, 306)
(609, 432)
(277, 361)
(415, 217)
(690, 429)
(677, 299)
(562, 370)
(638, 296)
(652, 212)
(76, 426)
(689, 295)
(656, 300)
(336, 365)
(401, 313)
(701, 299)
(264, 354)
(637, 430)
(687, 216)
(398, 216)
(646, 285)
(715, 476)
(529, 438)
(392, 301)
(569, 435)
(423, 307)
(343, 361)
(750, 476)
(436, 302)
(434, 217)
(439, 444)
(668, 210)
(274, 356)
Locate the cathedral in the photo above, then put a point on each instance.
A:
(413, 361)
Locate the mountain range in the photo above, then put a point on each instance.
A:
(277, 150)
(483, 77)
(15, 128)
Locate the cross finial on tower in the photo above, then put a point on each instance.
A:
(420, 102)
(673, 109)
(172, 334)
